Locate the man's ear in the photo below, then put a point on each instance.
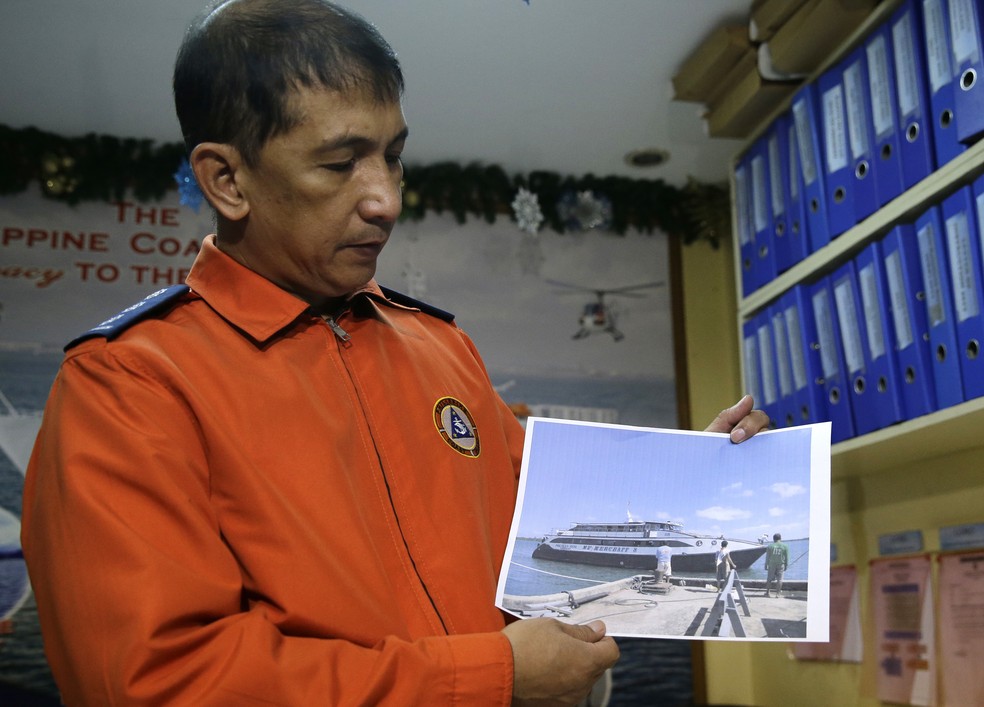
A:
(216, 166)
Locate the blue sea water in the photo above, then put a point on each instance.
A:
(530, 576)
(13, 583)
(25, 378)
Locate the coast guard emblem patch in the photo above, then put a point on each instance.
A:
(457, 427)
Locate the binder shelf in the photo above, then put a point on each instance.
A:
(952, 427)
(947, 431)
(933, 189)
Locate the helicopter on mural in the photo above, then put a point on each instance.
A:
(599, 316)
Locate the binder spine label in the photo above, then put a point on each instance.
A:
(963, 32)
(847, 317)
(808, 160)
(930, 264)
(965, 304)
(825, 332)
(906, 80)
(775, 176)
(979, 203)
(751, 367)
(794, 174)
(835, 134)
(797, 357)
(769, 394)
(900, 305)
(937, 52)
(878, 85)
(868, 284)
(759, 194)
(741, 205)
(856, 118)
(782, 355)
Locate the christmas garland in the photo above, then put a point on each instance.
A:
(106, 168)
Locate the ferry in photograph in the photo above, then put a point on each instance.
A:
(632, 544)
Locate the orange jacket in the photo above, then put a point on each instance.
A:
(229, 505)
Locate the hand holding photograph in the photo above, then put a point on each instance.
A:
(672, 534)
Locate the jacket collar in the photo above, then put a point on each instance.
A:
(246, 299)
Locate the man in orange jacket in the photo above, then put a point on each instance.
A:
(281, 483)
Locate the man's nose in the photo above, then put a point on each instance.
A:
(382, 199)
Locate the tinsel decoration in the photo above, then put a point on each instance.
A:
(189, 191)
(57, 177)
(88, 168)
(526, 211)
(708, 207)
(474, 189)
(105, 168)
(585, 211)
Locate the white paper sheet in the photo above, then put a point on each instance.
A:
(634, 488)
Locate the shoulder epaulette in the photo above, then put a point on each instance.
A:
(148, 306)
(407, 301)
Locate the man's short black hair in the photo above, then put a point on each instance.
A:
(242, 61)
(777, 537)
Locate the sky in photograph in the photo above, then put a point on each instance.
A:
(578, 473)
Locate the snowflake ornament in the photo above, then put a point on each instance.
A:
(526, 209)
(188, 189)
(584, 210)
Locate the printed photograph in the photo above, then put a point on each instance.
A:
(670, 534)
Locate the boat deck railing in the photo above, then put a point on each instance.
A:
(612, 534)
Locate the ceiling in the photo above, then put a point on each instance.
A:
(568, 86)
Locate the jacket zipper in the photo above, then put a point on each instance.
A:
(345, 339)
(337, 330)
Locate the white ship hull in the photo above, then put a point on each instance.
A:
(633, 545)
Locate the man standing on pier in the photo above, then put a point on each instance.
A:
(663, 568)
(776, 561)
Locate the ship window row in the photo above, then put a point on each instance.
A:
(620, 543)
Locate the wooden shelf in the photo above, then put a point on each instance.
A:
(954, 429)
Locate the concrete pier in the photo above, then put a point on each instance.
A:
(680, 608)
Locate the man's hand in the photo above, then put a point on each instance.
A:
(740, 420)
(556, 663)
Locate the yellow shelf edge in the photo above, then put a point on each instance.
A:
(947, 431)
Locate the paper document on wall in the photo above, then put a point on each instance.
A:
(846, 644)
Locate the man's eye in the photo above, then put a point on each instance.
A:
(345, 166)
(394, 159)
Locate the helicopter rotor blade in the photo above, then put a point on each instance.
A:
(645, 285)
(600, 291)
(630, 291)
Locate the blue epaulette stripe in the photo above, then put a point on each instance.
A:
(118, 323)
(407, 301)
